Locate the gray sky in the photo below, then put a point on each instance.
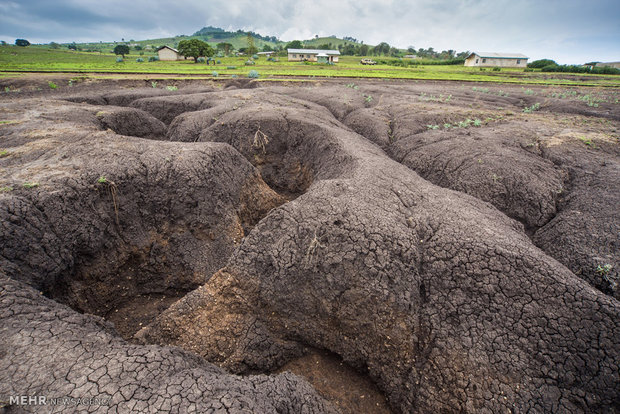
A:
(568, 31)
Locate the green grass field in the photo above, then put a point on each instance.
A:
(39, 59)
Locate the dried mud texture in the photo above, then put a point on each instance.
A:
(317, 217)
(50, 350)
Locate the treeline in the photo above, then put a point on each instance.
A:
(548, 65)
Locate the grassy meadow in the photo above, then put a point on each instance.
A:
(39, 59)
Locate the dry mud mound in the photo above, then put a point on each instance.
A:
(280, 219)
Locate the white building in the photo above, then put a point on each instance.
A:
(491, 59)
(313, 55)
(168, 53)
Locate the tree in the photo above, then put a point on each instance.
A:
(121, 50)
(72, 46)
(22, 42)
(138, 47)
(295, 44)
(195, 48)
(225, 47)
(54, 45)
(364, 50)
(250, 41)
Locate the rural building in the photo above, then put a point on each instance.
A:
(490, 59)
(265, 53)
(313, 55)
(608, 65)
(168, 53)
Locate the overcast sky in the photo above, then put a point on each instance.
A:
(568, 31)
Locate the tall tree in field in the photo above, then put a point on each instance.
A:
(22, 42)
(121, 50)
(251, 49)
(224, 47)
(195, 48)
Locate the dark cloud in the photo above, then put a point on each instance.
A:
(569, 31)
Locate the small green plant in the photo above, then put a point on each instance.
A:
(496, 69)
(447, 125)
(587, 141)
(533, 108)
(29, 184)
(3, 153)
(119, 60)
(214, 74)
(139, 60)
(172, 88)
(102, 180)
(249, 62)
(153, 58)
(352, 86)
(7, 89)
(52, 85)
(6, 189)
(495, 177)
(368, 98)
(253, 74)
(477, 122)
(603, 270)
(154, 84)
(234, 76)
(528, 91)
(432, 126)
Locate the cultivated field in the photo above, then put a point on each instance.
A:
(34, 59)
(320, 246)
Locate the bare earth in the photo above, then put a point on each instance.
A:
(329, 246)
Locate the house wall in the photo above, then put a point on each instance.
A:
(167, 54)
(608, 64)
(476, 60)
(297, 57)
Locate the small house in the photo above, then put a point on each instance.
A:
(268, 54)
(313, 55)
(608, 65)
(492, 59)
(168, 53)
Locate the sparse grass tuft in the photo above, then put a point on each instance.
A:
(533, 108)
(172, 88)
(52, 85)
(3, 153)
(6, 189)
(29, 184)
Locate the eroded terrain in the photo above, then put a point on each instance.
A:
(373, 246)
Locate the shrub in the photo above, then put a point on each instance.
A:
(214, 74)
(139, 60)
(532, 108)
(250, 62)
(253, 74)
(200, 60)
(496, 69)
(234, 76)
(119, 59)
(153, 58)
(541, 63)
(219, 62)
(254, 56)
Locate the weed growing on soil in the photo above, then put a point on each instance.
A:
(587, 141)
(432, 126)
(253, 74)
(483, 90)
(52, 85)
(368, 98)
(528, 92)
(603, 270)
(6, 189)
(28, 184)
(154, 84)
(3, 153)
(214, 74)
(260, 140)
(440, 98)
(172, 88)
(352, 86)
(495, 177)
(7, 89)
(102, 180)
(533, 108)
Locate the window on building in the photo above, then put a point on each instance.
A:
(518, 62)
(484, 61)
(294, 56)
(477, 61)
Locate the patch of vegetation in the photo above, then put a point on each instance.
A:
(587, 141)
(214, 74)
(153, 59)
(172, 88)
(139, 60)
(154, 84)
(6, 189)
(533, 108)
(368, 98)
(29, 184)
(432, 126)
(352, 86)
(102, 180)
(52, 85)
(528, 92)
(253, 74)
(440, 98)
(603, 270)
(3, 153)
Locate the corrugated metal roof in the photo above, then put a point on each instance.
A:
(168, 47)
(500, 55)
(313, 51)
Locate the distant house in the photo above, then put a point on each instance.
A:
(608, 65)
(411, 57)
(265, 53)
(168, 53)
(505, 60)
(313, 55)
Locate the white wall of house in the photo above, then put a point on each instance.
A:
(168, 54)
(475, 60)
(298, 57)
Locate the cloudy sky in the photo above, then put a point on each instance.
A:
(569, 31)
